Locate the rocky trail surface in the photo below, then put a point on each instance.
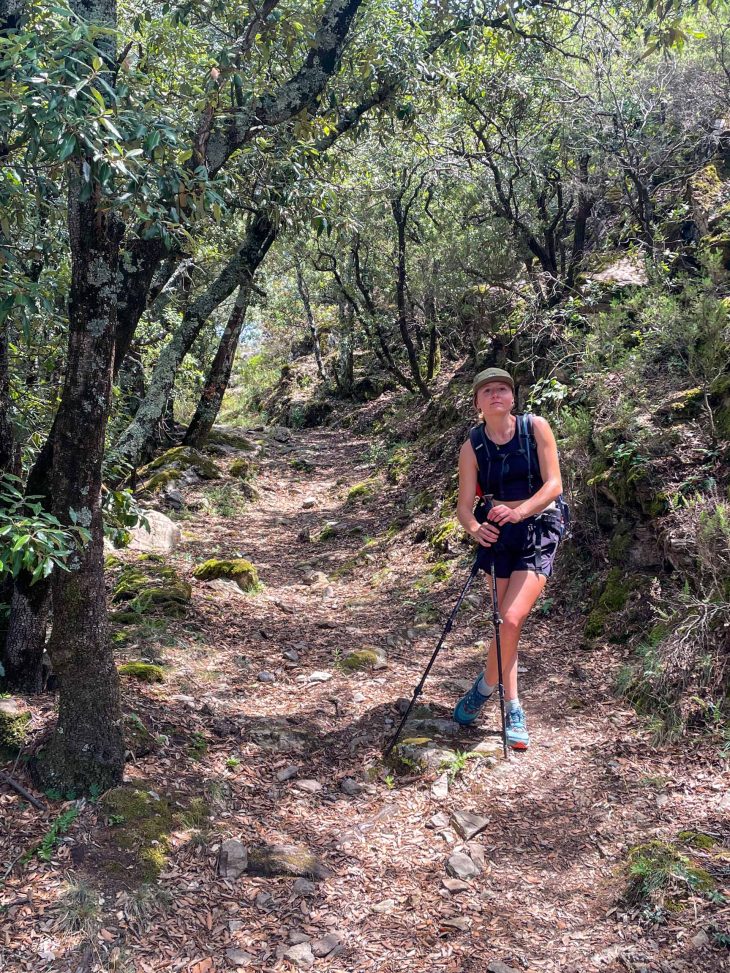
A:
(285, 842)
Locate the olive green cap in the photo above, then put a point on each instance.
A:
(492, 375)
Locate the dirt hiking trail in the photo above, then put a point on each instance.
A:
(266, 719)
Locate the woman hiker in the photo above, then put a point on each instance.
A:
(514, 459)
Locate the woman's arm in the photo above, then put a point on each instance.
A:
(485, 534)
(552, 483)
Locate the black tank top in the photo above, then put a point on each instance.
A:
(505, 468)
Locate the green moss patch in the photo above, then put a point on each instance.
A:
(612, 599)
(697, 839)
(243, 469)
(182, 458)
(659, 874)
(361, 491)
(140, 823)
(150, 585)
(365, 658)
(236, 569)
(14, 720)
(144, 671)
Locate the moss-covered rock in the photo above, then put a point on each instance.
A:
(235, 569)
(366, 657)
(243, 469)
(141, 823)
(144, 671)
(150, 585)
(171, 599)
(182, 458)
(14, 720)
(697, 839)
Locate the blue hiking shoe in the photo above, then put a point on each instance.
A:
(516, 725)
(467, 709)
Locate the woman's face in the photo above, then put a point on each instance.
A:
(495, 398)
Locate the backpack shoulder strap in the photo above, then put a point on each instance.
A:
(480, 445)
(526, 435)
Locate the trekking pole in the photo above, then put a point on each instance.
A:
(497, 621)
(447, 628)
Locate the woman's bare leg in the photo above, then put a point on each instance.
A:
(516, 596)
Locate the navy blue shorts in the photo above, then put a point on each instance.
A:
(528, 546)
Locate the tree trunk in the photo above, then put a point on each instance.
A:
(219, 374)
(400, 289)
(26, 635)
(137, 439)
(9, 451)
(304, 294)
(87, 747)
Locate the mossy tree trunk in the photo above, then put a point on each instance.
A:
(86, 749)
(261, 235)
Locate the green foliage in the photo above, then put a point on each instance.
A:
(33, 540)
(659, 873)
(59, 826)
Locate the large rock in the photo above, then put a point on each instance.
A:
(162, 536)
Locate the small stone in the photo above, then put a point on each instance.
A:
(266, 677)
(263, 900)
(701, 939)
(468, 824)
(309, 786)
(457, 922)
(303, 886)
(440, 788)
(387, 905)
(292, 655)
(308, 503)
(325, 945)
(461, 866)
(238, 957)
(235, 924)
(350, 787)
(455, 885)
(476, 853)
(358, 697)
(232, 859)
(301, 955)
(439, 821)
(497, 966)
(298, 937)
(286, 773)
(318, 676)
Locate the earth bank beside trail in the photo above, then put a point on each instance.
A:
(258, 827)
